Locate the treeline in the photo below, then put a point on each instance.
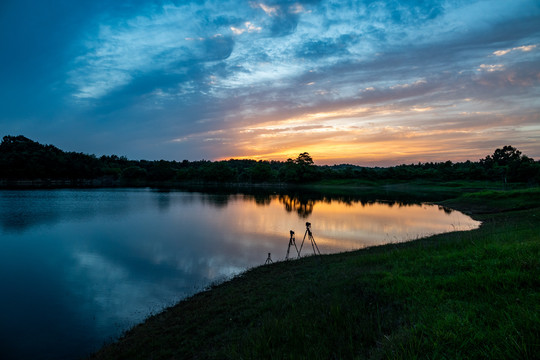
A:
(24, 159)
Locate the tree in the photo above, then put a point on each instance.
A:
(262, 172)
(509, 164)
(218, 171)
(301, 169)
(304, 160)
(134, 173)
(506, 156)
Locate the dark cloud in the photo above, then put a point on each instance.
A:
(413, 11)
(284, 25)
(218, 48)
(327, 47)
(225, 21)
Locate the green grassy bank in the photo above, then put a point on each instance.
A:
(473, 294)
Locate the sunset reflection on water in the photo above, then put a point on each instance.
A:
(338, 225)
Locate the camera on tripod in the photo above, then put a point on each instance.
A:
(292, 242)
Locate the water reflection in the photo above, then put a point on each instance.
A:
(80, 266)
(20, 210)
(304, 207)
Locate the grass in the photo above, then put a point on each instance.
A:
(472, 294)
(417, 190)
(495, 201)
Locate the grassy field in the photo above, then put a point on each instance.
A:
(473, 294)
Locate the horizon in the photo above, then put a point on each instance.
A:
(278, 160)
(367, 83)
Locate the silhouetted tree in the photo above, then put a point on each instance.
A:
(509, 164)
(305, 168)
(134, 173)
(24, 159)
(262, 172)
(304, 160)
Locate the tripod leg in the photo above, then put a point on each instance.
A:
(301, 245)
(314, 245)
(291, 242)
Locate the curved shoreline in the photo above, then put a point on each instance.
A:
(409, 298)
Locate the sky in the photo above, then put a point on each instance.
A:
(367, 82)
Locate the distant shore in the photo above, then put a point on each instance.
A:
(472, 294)
(451, 188)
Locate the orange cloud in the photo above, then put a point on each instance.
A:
(457, 138)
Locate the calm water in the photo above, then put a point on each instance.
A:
(77, 267)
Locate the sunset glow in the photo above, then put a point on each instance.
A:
(379, 83)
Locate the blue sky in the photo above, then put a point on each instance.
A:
(365, 82)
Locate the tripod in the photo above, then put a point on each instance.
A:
(292, 242)
(310, 236)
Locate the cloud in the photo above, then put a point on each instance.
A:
(137, 76)
(269, 10)
(168, 40)
(525, 48)
(248, 27)
(491, 68)
(326, 47)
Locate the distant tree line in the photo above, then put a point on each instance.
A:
(24, 159)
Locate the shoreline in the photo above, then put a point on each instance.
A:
(427, 297)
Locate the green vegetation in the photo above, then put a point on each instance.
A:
(473, 294)
(26, 162)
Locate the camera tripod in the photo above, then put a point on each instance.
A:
(310, 237)
(292, 242)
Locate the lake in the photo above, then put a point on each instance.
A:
(78, 267)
